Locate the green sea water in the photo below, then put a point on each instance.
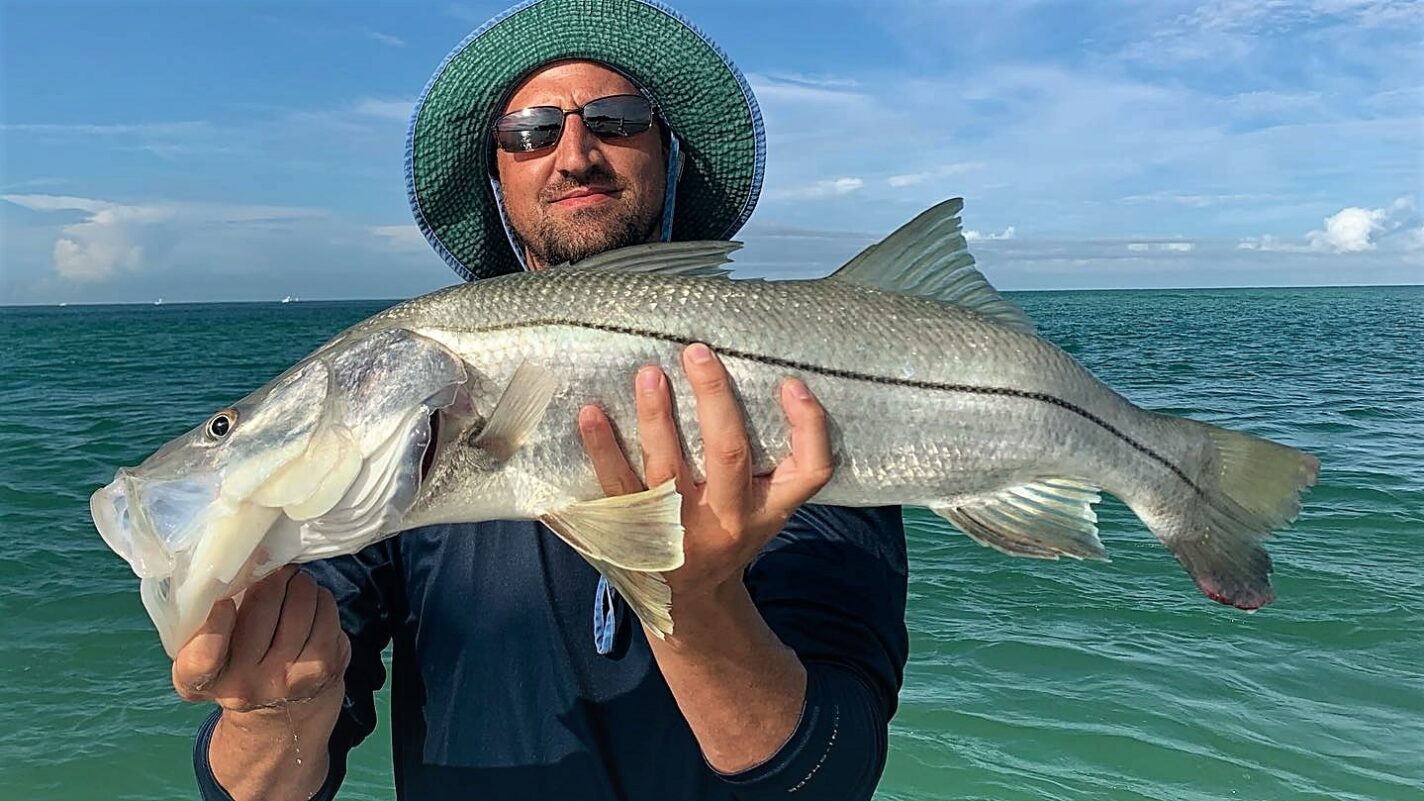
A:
(1026, 680)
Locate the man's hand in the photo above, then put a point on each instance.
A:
(283, 646)
(732, 515)
(275, 664)
(739, 687)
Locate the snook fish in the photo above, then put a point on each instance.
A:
(461, 405)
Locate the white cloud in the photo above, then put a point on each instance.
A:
(1271, 243)
(56, 203)
(1161, 247)
(913, 178)
(112, 236)
(822, 189)
(1350, 230)
(385, 109)
(976, 236)
(1200, 201)
(909, 179)
(386, 39)
(401, 237)
(183, 128)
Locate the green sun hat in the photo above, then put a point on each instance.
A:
(700, 94)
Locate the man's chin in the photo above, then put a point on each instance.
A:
(576, 233)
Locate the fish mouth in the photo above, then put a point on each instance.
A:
(146, 521)
(427, 459)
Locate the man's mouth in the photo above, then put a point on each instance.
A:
(585, 196)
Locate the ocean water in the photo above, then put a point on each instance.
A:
(1027, 680)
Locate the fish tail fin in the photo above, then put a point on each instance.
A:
(1216, 509)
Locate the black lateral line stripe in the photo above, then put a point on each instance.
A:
(834, 372)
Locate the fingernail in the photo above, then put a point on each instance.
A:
(649, 378)
(586, 418)
(699, 353)
(799, 390)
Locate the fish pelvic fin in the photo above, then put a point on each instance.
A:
(647, 594)
(631, 539)
(1241, 489)
(928, 257)
(1045, 519)
(640, 531)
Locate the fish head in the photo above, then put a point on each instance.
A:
(323, 460)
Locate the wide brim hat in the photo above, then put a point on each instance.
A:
(699, 92)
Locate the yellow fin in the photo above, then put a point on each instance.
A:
(641, 531)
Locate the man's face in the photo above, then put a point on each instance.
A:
(584, 195)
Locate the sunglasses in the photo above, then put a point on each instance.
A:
(539, 127)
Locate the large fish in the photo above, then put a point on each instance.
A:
(461, 405)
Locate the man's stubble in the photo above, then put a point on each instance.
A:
(629, 220)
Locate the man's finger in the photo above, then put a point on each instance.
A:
(200, 662)
(294, 624)
(327, 651)
(657, 431)
(724, 430)
(802, 474)
(615, 475)
(257, 617)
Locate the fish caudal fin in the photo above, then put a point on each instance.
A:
(1241, 489)
(631, 539)
(1044, 519)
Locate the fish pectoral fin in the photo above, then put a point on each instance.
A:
(928, 257)
(1043, 519)
(519, 410)
(647, 594)
(641, 531)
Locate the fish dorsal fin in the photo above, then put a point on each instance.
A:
(928, 257)
(1041, 519)
(701, 259)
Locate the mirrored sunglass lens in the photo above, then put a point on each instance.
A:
(622, 115)
(529, 128)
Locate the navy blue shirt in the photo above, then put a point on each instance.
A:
(498, 691)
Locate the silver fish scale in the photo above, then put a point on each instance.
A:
(885, 367)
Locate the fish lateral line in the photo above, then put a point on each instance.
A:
(836, 372)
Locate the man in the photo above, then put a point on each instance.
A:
(557, 131)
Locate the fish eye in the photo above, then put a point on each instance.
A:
(221, 424)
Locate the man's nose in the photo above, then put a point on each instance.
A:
(577, 150)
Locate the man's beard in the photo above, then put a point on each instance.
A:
(588, 232)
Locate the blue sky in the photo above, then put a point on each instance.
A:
(223, 151)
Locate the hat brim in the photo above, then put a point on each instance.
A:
(701, 95)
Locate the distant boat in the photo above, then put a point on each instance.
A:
(63, 304)
(158, 302)
(290, 299)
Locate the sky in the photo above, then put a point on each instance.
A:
(203, 151)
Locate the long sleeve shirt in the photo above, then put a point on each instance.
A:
(498, 690)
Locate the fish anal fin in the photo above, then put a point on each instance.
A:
(520, 408)
(641, 531)
(1044, 519)
(928, 257)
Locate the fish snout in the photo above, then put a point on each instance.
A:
(147, 521)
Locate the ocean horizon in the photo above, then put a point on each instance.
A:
(164, 301)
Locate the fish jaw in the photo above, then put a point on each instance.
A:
(189, 547)
(324, 460)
